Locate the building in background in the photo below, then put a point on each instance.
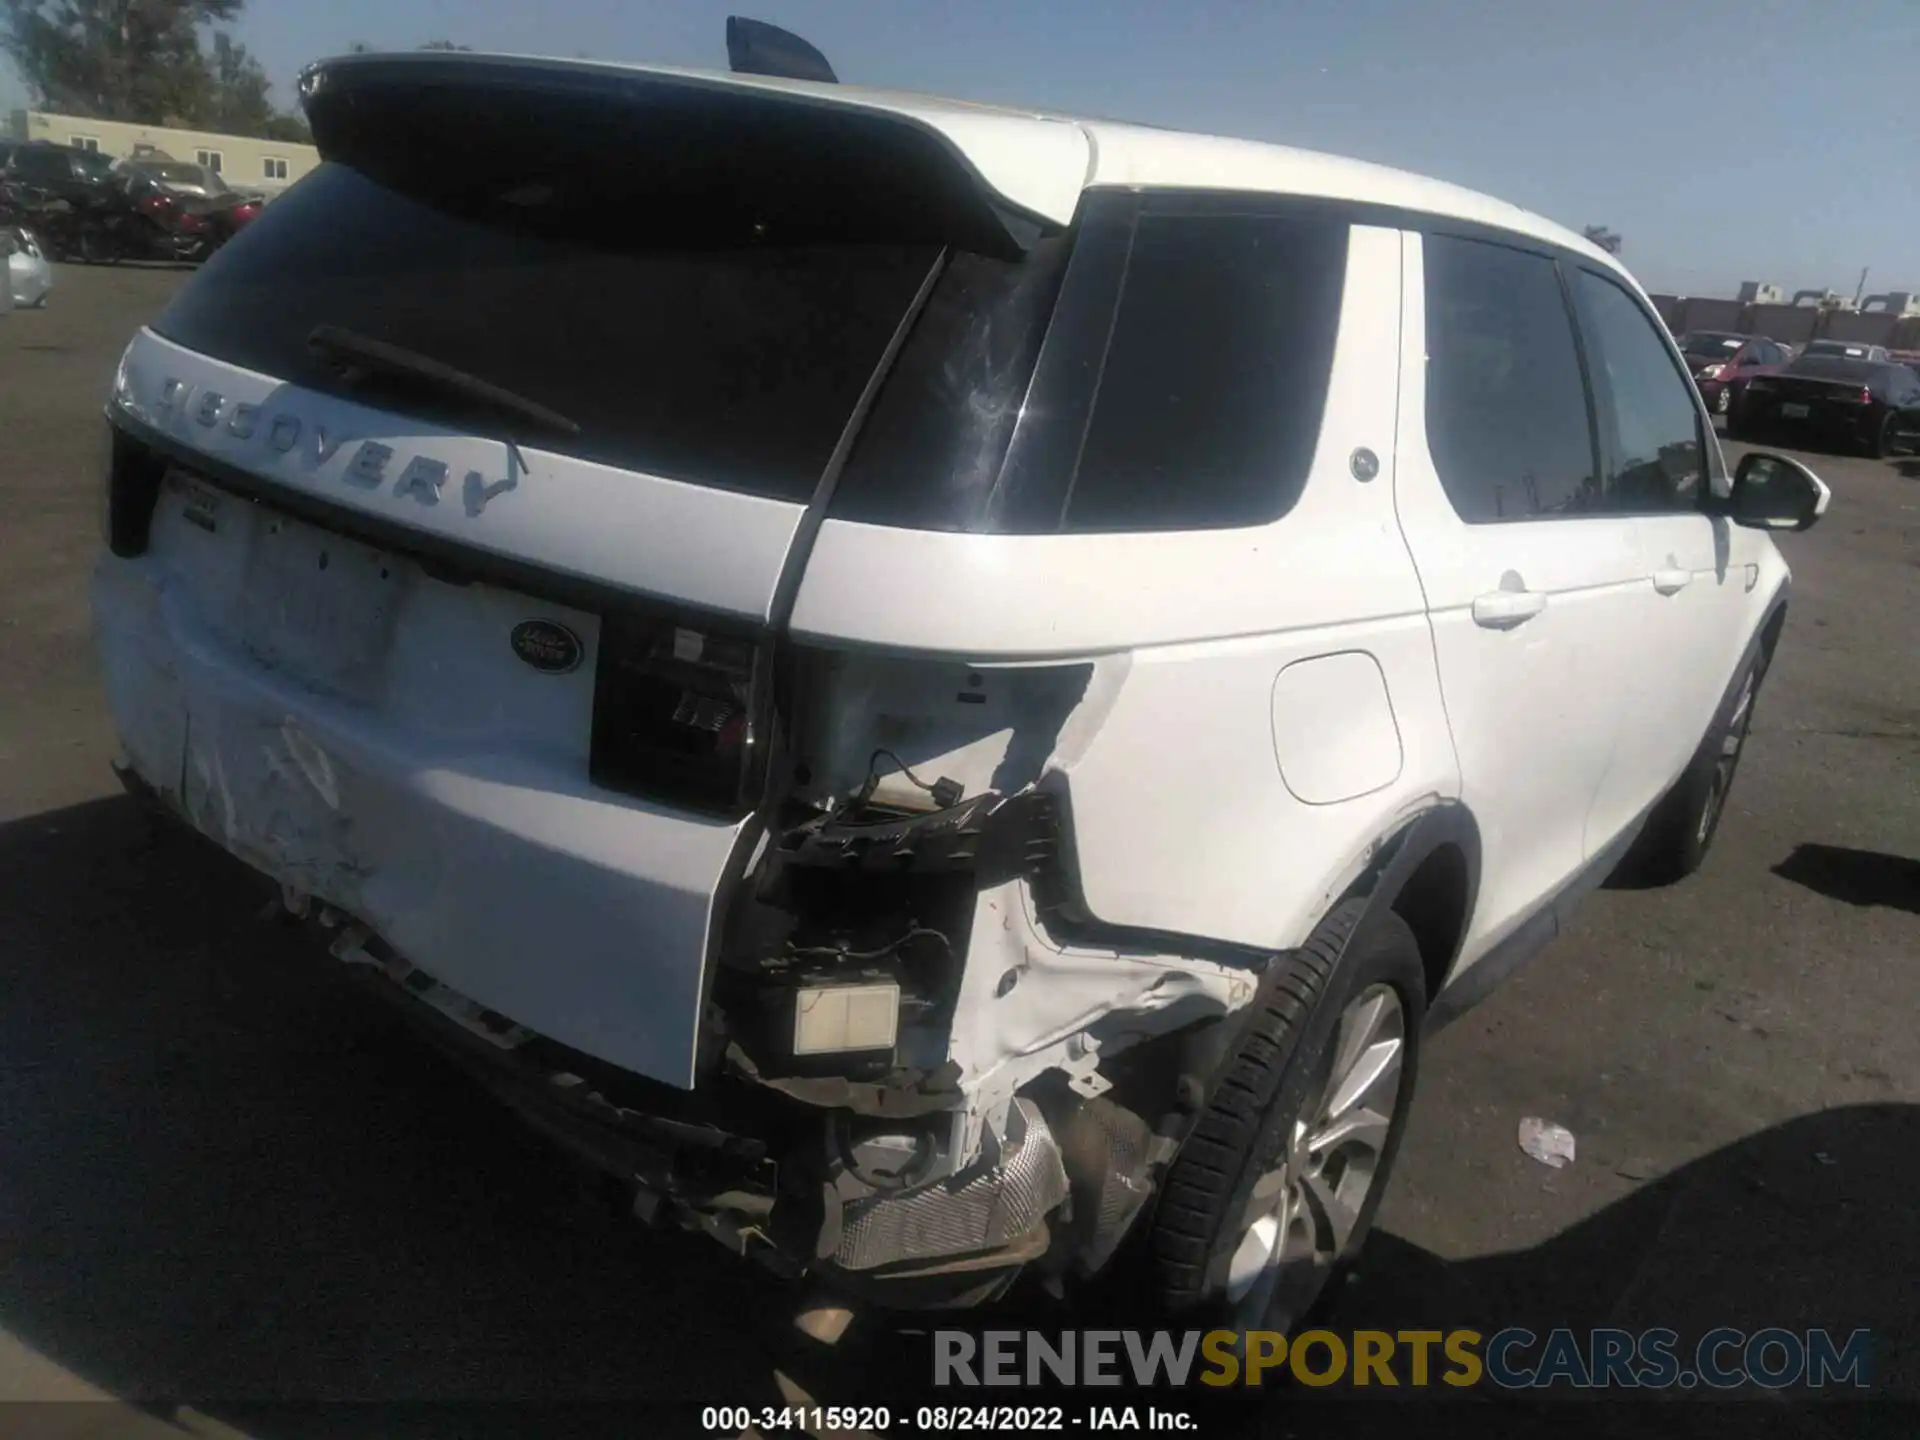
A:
(243, 162)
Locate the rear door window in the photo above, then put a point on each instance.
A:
(1651, 428)
(1507, 419)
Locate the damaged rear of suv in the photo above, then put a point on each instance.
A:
(457, 524)
(853, 656)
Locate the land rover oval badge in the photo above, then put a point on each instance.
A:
(546, 645)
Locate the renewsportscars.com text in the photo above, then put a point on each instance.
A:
(1513, 1358)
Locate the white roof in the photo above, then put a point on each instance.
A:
(1042, 161)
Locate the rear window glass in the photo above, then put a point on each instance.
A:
(1833, 367)
(35, 163)
(697, 351)
(1210, 399)
(1179, 384)
(1701, 344)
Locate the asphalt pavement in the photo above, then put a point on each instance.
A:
(228, 1178)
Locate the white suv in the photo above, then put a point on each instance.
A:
(938, 689)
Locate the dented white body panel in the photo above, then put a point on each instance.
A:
(436, 794)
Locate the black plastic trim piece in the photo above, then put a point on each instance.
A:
(1601, 451)
(1448, 822)
(1399, 855)
(771, 668)
(1463, 992)
(786, 589)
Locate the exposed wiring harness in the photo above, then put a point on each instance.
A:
(946, 793)
(892, 947)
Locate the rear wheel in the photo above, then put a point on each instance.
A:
(1274, 1191)
(1879, 444)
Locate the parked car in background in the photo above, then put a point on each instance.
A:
(1064, 732)
(1721, 382)
(195, 226)
(1868, 405)
(188, 181)
(1701, 348)
(41, 169)
(29, 276)
(1846, 350)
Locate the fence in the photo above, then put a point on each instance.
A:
(1790, 324)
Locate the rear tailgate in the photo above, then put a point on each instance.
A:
(364, 733)
(478, 685)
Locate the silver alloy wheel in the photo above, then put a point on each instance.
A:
(1723, 402)
(1301, 1214)
(1728, 758)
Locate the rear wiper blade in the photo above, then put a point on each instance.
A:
(396, 362)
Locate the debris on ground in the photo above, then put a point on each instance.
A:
(1636, 1169)
(1545, 1141)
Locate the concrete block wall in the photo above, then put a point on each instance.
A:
(1790, 324)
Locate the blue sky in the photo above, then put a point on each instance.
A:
(1724, 139)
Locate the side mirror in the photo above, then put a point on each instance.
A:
(1771, 492)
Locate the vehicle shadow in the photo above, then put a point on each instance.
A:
(228, 1174)
(1855, 877)
(233, 1181)
(1804, 1226)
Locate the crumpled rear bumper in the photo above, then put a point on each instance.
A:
(582, 915)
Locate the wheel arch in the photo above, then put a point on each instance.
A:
(1773, 624)
(1428, 873)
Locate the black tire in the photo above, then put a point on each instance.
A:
(1681, 828)
(95, 248)
(1879, 445)
(1275, 1073)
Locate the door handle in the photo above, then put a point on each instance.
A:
(1503, 609)
(1672, 580)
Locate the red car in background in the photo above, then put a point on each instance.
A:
(1722, 362)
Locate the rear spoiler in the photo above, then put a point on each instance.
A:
(668, 145)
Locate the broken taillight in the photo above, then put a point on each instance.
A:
(673, 712)
(133, 478)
